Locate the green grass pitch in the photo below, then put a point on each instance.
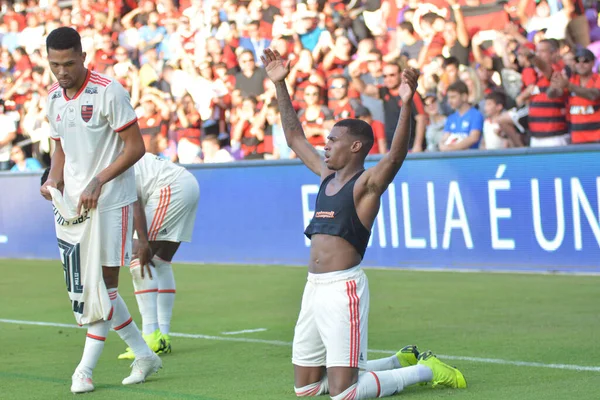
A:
(545, 319)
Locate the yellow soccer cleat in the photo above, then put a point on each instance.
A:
(154, 340)
(443, 374)
(128, 355)
(408, 355)
(167, 347)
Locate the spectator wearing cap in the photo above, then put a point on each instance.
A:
(392, 104)
(379, 146)
(547, 115)
(435, 122)
(583, 90)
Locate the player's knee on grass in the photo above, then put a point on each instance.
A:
(111, 276)
(349, 393)
(314, 389)
(341, 378)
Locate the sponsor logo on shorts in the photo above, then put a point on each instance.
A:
(325, 214)
(163, 232)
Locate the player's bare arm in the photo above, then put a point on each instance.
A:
(376, 179)
(132, 152)
(277, 71)
(143, 251)
(57, 165)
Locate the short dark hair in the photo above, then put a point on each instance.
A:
(360, 130)
(64, 38)
(497, 97)
(339, 76)
(430, 17)
(451, 61)
(407, 26)
(458, 87)
(553, 43)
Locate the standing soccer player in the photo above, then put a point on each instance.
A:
(168, 196)
(97, 142)
(330, 339)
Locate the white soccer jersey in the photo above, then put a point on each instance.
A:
(153, 173)
(87, 126)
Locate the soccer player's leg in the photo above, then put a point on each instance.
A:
(308, 351)
(405, 357)
(174, 224)
(146, 293)
(116, 227)
(346, 344)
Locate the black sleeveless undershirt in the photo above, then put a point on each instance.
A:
(336, 216)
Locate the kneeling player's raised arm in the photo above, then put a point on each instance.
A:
(381, 175)
(294, 134)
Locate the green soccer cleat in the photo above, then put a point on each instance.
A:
(408, 355)
(443, 374)
(167, 347)
(154, 340)
(128, 355)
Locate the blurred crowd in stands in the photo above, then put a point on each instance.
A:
(494, 74)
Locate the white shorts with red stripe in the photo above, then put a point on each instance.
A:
(332, 328)
(116, 227)
(171, 210)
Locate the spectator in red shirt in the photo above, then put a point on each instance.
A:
(379, 146)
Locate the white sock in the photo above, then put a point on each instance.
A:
(94, 344)
(383, 364)
(166, 293)
(314, 389)
(372, 385)
(123, 324)
(146, 294)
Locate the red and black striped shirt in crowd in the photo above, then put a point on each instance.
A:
(547, 116)
(585, 114)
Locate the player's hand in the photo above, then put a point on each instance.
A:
(90, 195)
(144, 255)
(408, 84)
(275, 67)
(45, 192)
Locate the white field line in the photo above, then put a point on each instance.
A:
(244, 331)
(282, 343)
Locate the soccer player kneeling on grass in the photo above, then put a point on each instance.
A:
(98, 140)
(330, 339)
(168, 197)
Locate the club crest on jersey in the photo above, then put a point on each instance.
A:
(91, 90)
(86, 112)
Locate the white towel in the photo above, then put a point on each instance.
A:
(79, 244)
